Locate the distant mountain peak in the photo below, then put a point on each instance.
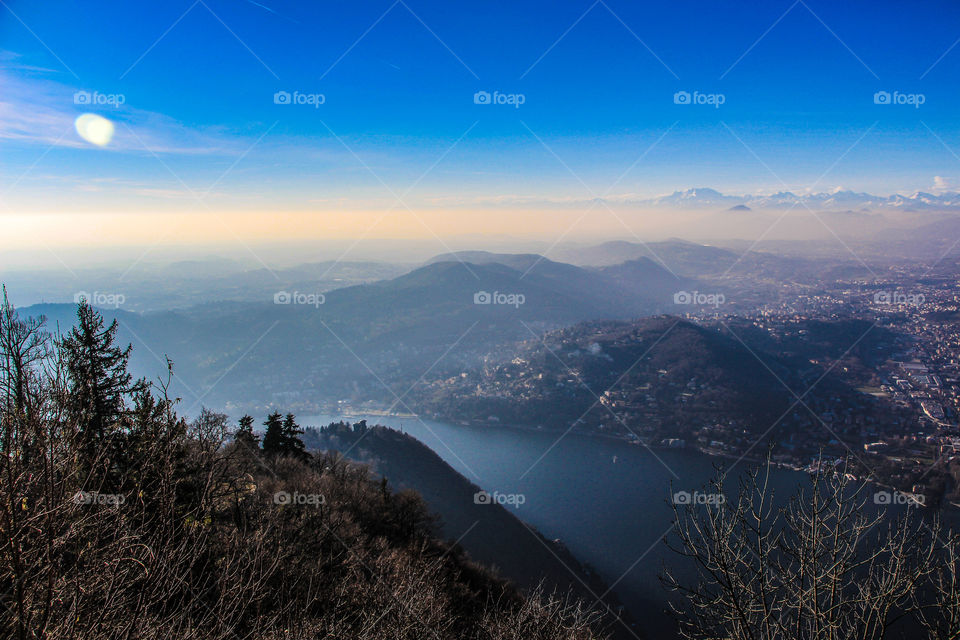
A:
(836, 199)
(700, 192)
(519, 261)
(697, 195)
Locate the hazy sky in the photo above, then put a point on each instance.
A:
(400, 146)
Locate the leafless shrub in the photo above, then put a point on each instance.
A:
(818, 568)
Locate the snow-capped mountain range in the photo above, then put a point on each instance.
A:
(840, 200)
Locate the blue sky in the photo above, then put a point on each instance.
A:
(398, 79)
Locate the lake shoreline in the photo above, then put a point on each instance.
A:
(710, 453)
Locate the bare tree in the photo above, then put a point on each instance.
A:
(820, 567)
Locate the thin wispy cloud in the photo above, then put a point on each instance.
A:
(36, 110)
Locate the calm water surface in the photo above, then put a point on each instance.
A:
(606, 500)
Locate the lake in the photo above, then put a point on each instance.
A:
(607, 500)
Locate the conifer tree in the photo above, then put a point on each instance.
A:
(292, 444)
(282, 436)
(273, 436)
(245, 435)
(97, 375)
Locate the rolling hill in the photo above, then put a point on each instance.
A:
(356, 341)
(663, 377)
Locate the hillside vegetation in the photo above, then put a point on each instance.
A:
(120, 519)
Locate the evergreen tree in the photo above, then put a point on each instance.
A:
(245, 435)
(273, 436)
(97, 376)
(282, 436)
(292, 444)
